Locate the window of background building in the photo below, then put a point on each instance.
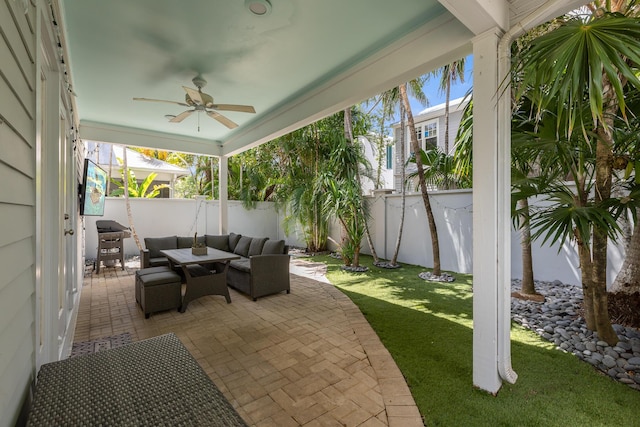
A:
(427, 135)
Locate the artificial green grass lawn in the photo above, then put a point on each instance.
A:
(427, 328)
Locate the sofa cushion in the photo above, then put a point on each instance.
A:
(273, 247)
(156, 244)
(233, 241)
(163, 278)
(243, 265)
(242, 248)
(256, 245)
(218, 242)
(187, 242)
(159, 261)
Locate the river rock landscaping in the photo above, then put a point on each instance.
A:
(558, 320)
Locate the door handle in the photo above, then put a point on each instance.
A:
(70, 232)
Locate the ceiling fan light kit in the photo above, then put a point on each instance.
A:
(200, 102)
(258, 7)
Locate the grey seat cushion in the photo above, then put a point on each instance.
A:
(273, 247)
(218, 242)
(255, 248)
(242, 248)
(159, 261)
(243, 265)
(163, 278)
(198, 270)
(156, 244)
(152, 270)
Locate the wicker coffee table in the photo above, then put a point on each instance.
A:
(155, 382)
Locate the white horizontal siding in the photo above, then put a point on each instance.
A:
(17, 206)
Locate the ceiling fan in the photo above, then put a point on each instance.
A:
(203, 102)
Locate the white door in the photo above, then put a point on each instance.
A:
(56, 189)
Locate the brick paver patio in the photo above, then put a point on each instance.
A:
(304, 359)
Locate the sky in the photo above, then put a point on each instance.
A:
(432, 90)
(434, 96)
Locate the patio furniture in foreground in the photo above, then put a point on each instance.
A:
(158, 289)
(200, 280)
(155, 382)
(262, 269)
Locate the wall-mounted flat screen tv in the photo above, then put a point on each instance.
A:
(92, 189)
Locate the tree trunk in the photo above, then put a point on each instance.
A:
(435, 244)
(126, 198)
(584, 254)
(403, 198)
(348, 127)
(110, 170)
(628, 279)
(604, 174)
(528, 284)
(446, 113)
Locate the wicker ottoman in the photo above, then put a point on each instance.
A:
(144, 272)
(160, 291)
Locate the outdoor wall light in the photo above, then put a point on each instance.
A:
(258, 7)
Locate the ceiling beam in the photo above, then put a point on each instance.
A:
(480, 15)
(102, 132)
(439, 42)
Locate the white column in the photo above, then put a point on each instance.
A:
(491, 220)
(223, 185)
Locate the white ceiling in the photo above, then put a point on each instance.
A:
(304, 60)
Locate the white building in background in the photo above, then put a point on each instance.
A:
(384, 160)
(430, 128)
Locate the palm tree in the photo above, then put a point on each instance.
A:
(440, 170)
(348, 133)
(628, 162)
(126, 199)
(585, 64)
(435, 244)
(391, 101)
(449, 74)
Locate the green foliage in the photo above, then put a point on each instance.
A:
(439, 170)
(568, 65)
(463, 150)
(317, 167)
(138, 190)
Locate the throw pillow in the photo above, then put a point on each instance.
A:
(242, 248)
(233, 241)
(273, 247)
(156, 244)
(218, 242)
(256, 245)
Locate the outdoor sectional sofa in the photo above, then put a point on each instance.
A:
(263, 267)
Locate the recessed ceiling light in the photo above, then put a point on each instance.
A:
(258, 7)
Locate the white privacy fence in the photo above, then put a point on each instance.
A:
(453, 212)
(183, 217)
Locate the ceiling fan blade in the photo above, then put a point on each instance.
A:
(180, 117)
(234, 107)
(160, 100)
(222, 119)
(194, 95)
